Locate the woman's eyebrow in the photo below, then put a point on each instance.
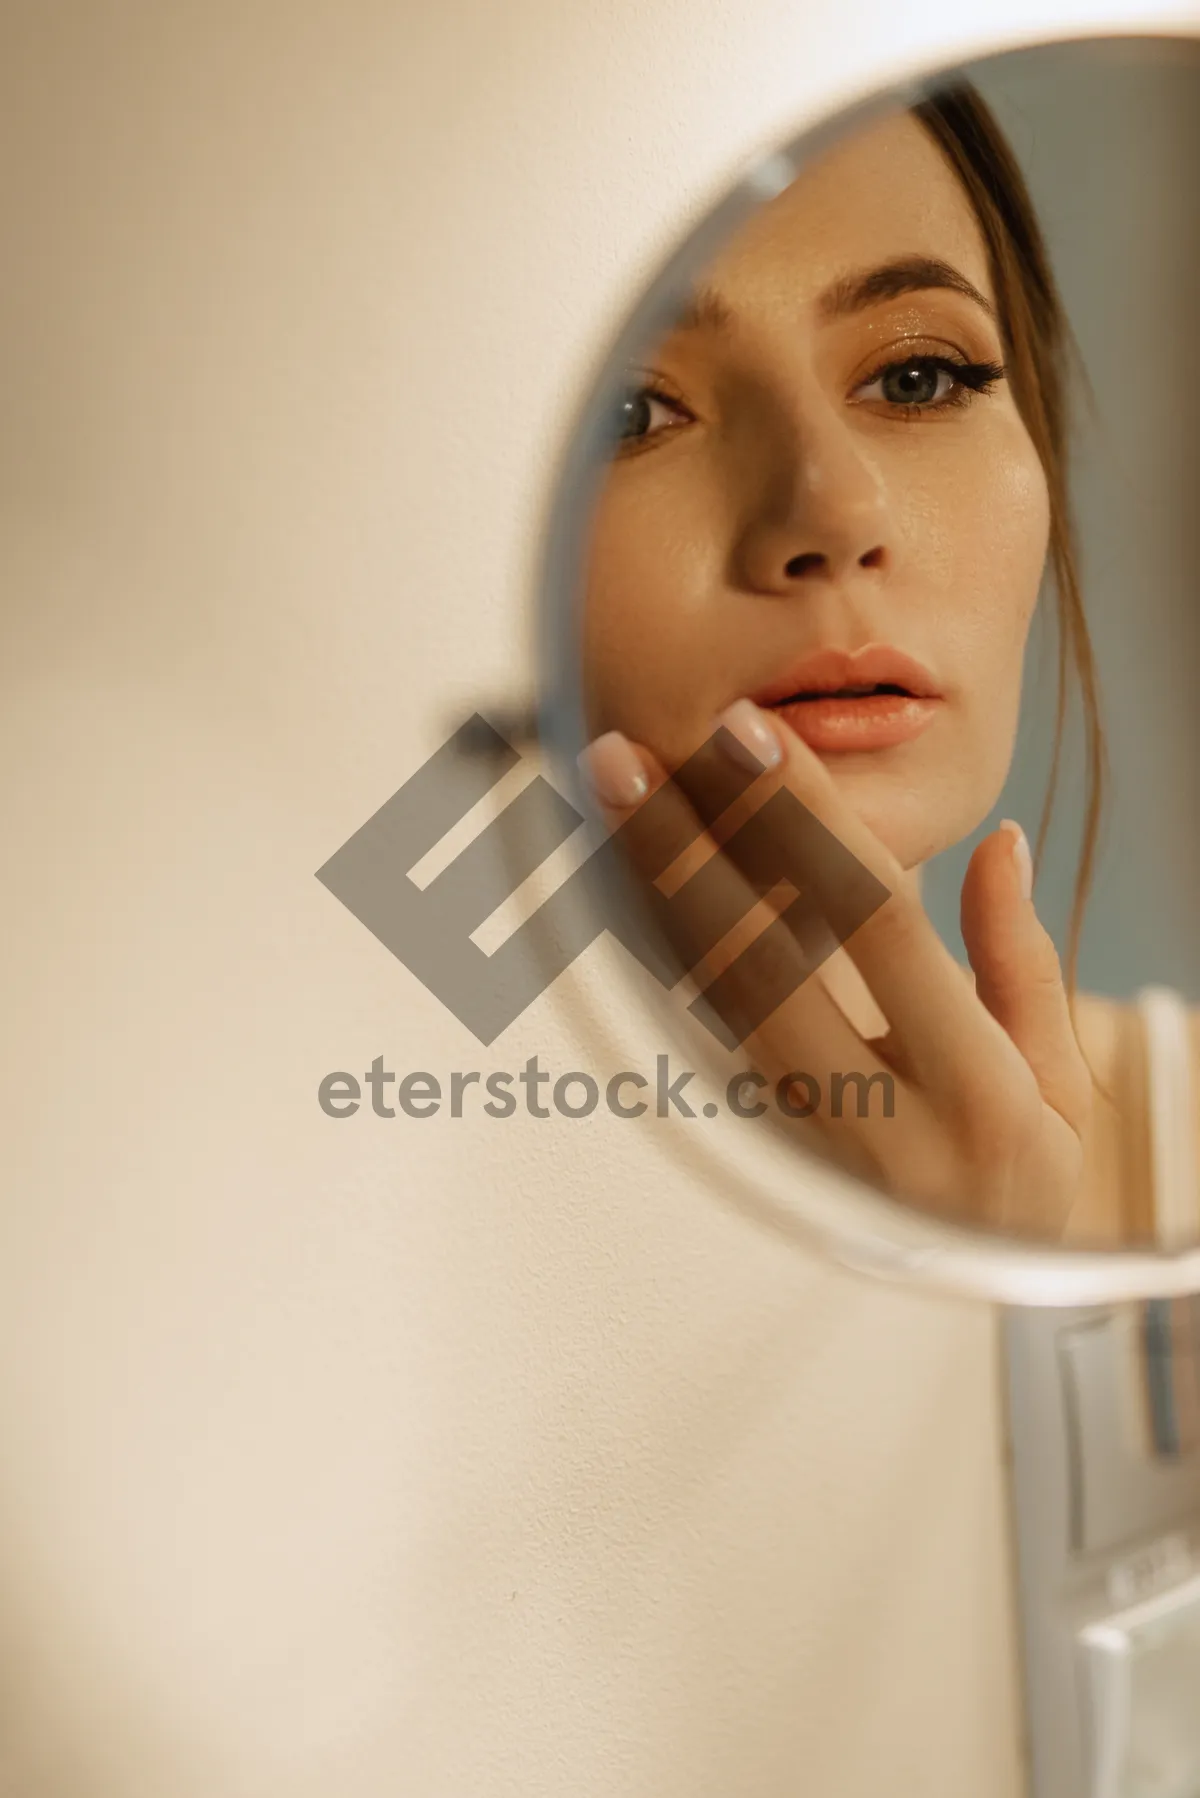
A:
(906, 274)
(706, 310)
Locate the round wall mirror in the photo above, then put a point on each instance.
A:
(870, 632)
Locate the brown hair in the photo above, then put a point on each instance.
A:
(1039, 354)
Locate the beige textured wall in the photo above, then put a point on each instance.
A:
(456, 1459)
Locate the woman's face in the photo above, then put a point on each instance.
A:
(826, 457)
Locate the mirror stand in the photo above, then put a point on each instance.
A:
(1104, 1451)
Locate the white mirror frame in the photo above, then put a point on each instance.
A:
(820, 1208)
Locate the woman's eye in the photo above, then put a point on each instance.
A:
(929, 381)
(636, 414)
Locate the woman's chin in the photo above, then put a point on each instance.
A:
(902, 820)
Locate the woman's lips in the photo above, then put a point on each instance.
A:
(871, 698)
(872, 721)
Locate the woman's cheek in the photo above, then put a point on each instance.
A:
(987, 557)
(1016, 539)
(645, 668)
(1016, 522)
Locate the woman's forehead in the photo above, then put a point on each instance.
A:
(885, 194)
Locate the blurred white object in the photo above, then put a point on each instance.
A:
(1142, 1683)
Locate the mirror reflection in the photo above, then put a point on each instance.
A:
(891, 533)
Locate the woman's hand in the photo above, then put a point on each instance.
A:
(992, 1094)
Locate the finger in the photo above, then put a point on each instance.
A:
(656, 829)
(938, 1033)
(1018, 976)
(763, 999)
(655, 822)
(659, 825)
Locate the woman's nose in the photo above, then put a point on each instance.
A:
(819, 513)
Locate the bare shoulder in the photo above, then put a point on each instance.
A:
(1104, 1027)
(1118, 1202)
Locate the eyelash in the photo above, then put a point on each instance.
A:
(972, 380)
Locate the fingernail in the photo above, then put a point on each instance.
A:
(611, 764)
(755, 744)
(1021, 855)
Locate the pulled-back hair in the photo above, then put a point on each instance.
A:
(1039, 349)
